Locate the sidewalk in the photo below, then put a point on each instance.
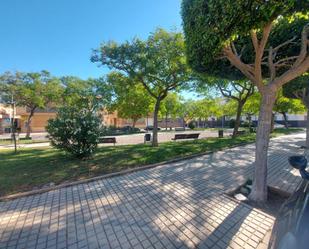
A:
(180, 205)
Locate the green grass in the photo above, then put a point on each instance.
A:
(31, 168)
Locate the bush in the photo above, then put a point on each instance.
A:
(191, 125)
(76, 130)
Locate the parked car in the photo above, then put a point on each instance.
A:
(130, 129)
(291, 229)
(277, 125)
(150, 128)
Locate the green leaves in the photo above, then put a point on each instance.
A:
(33, 90)
(128, 98)
(91, 93)
(298, 89)
(210, 24)
(159, 63)
(76, 130)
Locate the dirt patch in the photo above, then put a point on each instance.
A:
(274, 202)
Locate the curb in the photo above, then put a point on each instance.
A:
(120, 173)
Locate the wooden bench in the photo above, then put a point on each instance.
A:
(107, 140)
(186, 136)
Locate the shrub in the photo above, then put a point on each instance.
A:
(192, 125)
(76, 130)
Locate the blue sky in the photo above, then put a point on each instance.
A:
(58, 35)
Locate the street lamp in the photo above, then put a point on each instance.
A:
(12, 103)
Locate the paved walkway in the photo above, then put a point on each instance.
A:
(180, 205)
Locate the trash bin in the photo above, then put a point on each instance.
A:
(220, 133)
(147, 137)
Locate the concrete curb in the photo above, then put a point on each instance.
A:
(120, 173)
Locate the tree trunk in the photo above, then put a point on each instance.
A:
(307, 129)
(249, 120)
(134, 123)
(29, 120)
(237, 120)
(285, 118)
(166, 121)
(259, 188)
(155, 123)
(306, 103)
(272, 122)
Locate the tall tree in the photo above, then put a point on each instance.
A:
(299, 89)
(33, 91)
(239, 91)
(266, 42)
(130, 100)
(170, 107)
(187, 111)
(91, 93)
(202, 109)
(284, 106)
(252, 107)
(158, 64)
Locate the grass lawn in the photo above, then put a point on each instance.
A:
(31, 168)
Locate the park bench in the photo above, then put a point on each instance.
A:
(107, 140)
(186, 136)
(180, 128)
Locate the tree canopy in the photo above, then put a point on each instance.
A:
(31, 90)
(298, 89)
(129, 99)
(210, 24)
(158, 64)
(90, 93)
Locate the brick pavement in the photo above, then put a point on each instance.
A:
(180, 205)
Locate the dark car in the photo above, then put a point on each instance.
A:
(291, 229)
(130, 129)
(150, 128)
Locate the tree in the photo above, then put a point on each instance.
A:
(253, 37)
(284, 105)
(170, 107)
(8, 91)
(299, 89)
(252, 107)
(158, 64)
(238, 91)
(77, 91)
(130, 100)
(201, 109)
(33, 91)
(187, 110)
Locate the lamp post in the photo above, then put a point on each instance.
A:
(13, 123)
